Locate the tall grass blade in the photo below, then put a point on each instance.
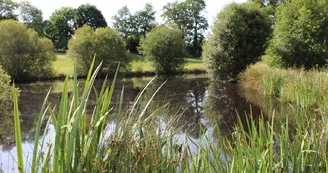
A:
(18, 135)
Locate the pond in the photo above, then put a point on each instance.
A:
(199, 103)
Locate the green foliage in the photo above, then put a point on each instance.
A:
(134, 26)
(237, 40)
(122, 22)
(187, 15)
(7, 9)
(60, 27)
(63, 23)
(138, 143)
(164, 46)
(5, 96)
(105, 43)
(23, 55)
(89, 15)
(306, 89)
(300, 35)
(31, 16)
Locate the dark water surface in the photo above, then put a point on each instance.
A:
(200, 103)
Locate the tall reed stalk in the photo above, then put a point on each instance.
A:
(138, 144)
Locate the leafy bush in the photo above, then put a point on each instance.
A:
(165, 47)
(238, 39)
(106, 43)
(5, 93)
(23, 55)
(300, 35)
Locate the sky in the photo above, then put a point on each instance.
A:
(109, 7)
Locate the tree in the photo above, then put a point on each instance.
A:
(105, 43)
(265, 3)
(269, 6)
(238, 39)
(23, 55)
(7, 9)
(134, 26)
(121, 22)
(60, 27)
(5, 93)
(165, 48)
(144, 20)
(300, 35)
(188, 17)
(89, 15)
(31, 16)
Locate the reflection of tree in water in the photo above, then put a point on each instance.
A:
(184, 98)
(30, 101)
(184, 95)
(223, 103)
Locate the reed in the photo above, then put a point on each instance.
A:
(138, 144)
(307, 89)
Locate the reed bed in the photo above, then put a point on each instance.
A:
(138, 143)
(307, 89)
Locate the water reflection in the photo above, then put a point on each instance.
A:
(195, 102)
(223, 103)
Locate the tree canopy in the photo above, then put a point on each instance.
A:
(188, 16)
(238, 39)
(23, 55)
(61, 27)
(63, 23)
(105, 43)
(31, 16)
(300, 35)
(89, 15)
(134, 26)
(7, 9)
(165, 47)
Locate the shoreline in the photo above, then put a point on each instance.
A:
(124, 75)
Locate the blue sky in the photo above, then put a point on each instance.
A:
(110, 7)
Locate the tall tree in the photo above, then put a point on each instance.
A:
(122, 22)
(60, 27)
(237, 40)
(31, 16)
(145, 20)
(187, 15)
(300, 35)
(134, 26)
(7, 9)
(89, 15)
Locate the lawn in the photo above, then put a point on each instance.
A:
(65, 65)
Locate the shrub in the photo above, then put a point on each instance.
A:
(164, 47)
(300, 35)
(23, 55)
(238, 39)
(5, 93)
(106, 43)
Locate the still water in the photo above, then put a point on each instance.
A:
(200, 103)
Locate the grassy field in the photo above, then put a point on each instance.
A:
(64, 64)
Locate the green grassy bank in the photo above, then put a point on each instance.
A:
(307, 89)
(64, 65)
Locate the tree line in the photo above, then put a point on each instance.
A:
(281, 33)
(62, 24)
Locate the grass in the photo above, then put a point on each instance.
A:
(138, 144)
(307, 89)
(64, 65)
